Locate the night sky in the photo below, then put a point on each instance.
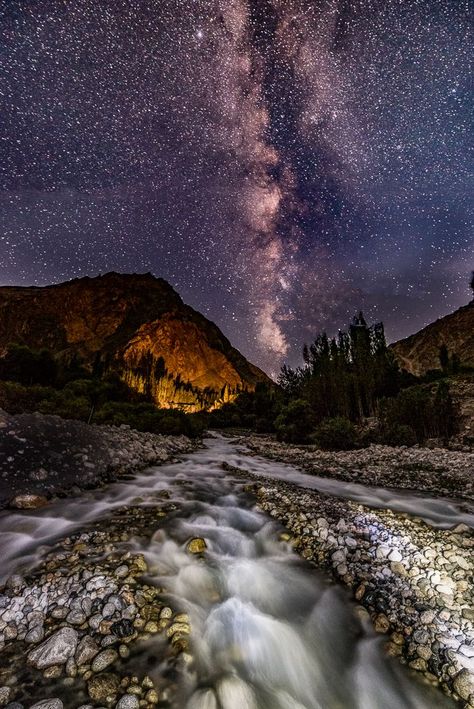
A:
(282, 163)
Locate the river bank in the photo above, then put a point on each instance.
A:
(412, 580)
(437, 471)
(42, 456)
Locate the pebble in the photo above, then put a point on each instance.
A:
(102, 686)
(464, 684)
(55, 650)
(197, 545)
(406, 574)
(28, 502)
(128, 701)
(87, 649)
(103, 660)
(5, 695)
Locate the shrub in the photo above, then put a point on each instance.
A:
(295, 422)
(426, 412)
(337, 434)
(26, 366)
(398, 435)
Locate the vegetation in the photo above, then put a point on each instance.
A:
(295, 423)
(34, 381)
(337, 434)
(419, 413)
(343, 382)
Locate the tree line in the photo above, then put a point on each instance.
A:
(345, 381)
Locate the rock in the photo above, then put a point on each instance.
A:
(338, 556)
(381, 623)
(86, 650)
(427, 617)
(28, 502)
(140, 563)
(152, 696)
(104, 686)
(48, 704)
(76, 617)
(55, 650)
(121, 571)
(197, 545)
(464, 684)
(424, 651)
(462, 562)
(104, 659)
(5, 695)
(35, 634)
(397, 568)
(108, 610)
(128, 701)
(15, 582)
(122, 628)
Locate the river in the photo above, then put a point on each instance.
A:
(268, 630)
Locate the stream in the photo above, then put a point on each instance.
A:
(268, 630)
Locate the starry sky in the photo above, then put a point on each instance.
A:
(283, 163)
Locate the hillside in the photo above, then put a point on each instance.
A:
(420, 352)
(136, 326)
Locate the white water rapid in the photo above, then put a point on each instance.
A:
(268, 631)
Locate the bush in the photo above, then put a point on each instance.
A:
(427, 413)
(26, 366)
(398, 435)
(337, 434)
(295, 422)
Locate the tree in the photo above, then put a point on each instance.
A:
(27, 366)
(344, 376)
(295, 422)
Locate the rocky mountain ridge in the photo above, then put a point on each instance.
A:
(137, 326)
(420, 352)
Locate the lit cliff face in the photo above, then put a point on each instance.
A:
(172, 362)
(136, 326)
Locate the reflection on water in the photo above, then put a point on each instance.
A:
(268, 632)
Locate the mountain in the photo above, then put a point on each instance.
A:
(136, 326)
(420, 352)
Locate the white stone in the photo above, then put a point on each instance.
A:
(56, 650)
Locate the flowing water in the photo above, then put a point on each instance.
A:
(268, 630)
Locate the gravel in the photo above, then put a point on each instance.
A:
(438, 471)
(41, 456)
(88, 576)
(414, 582)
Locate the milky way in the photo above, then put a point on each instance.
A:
(281, 162)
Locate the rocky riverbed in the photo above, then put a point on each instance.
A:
(106, 589)
(438, 471)
(414, 582)
(69, 626)
(42, 456)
